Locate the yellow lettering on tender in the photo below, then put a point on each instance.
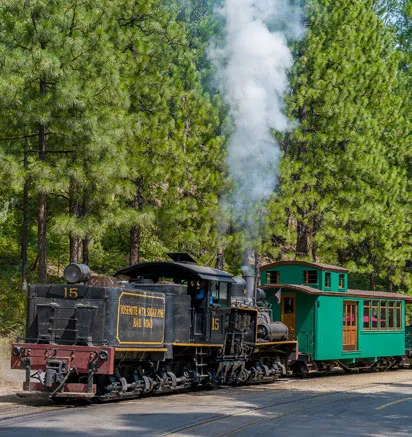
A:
(137, 323)
(129, 310)
(148, 323)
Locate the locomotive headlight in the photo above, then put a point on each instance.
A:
(103, 355)
(16, 351)
(76, 273)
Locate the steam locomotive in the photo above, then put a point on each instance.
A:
(169, 326)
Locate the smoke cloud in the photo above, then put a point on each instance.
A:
(252, 65)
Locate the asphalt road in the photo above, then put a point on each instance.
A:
(377, 404)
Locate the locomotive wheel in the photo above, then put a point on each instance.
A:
(148, 384)
(243, 376)
(172, 379)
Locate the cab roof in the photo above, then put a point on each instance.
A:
(175, 270)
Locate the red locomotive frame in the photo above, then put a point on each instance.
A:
(83, 360)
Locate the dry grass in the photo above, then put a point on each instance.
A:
(10, 380)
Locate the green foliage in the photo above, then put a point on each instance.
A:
(344, 185)
(12, 300)
(172, 146)
(136, 138)
(12, 303)
(132, 139)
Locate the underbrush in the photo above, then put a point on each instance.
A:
(12, 305)
(10, 380)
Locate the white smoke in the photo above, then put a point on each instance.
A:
(252, 70)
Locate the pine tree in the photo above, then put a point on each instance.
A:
(171, 130)
(60, 84)
(343, 180)
(397, 15)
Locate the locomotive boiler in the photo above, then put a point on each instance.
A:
(157, 327)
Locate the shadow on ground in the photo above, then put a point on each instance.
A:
(236, 411)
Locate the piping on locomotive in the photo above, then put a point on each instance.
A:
(170, 326)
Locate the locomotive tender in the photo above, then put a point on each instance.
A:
(170, 326)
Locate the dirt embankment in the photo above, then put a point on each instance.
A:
(10, 380)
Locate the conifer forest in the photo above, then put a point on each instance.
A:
(129, 129)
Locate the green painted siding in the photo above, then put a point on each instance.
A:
(408, 337)
(294, 274)
(334, 286)
(290, 274)
(273, 301)
(305, 323)
(371, 344)
(329, 329)
(319, 328)
(319, 319)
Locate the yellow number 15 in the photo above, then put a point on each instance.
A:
(215, 324)
(72, 293)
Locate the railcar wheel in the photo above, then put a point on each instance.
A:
(302, 370)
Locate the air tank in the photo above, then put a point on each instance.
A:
(271, 331)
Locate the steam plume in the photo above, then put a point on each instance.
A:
(252, 70)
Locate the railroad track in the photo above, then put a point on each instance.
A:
(11, 407)
(230, 424)
(225, 423)
(219, 421)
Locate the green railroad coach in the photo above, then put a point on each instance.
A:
(332, 323)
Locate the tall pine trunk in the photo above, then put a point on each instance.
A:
(75, 241)
(42, 218)
(86, 239)
(372, 280)
(86, 244)
(302, 240)
(134, 245)
(389, 282)
(135, 230)
(75, 248)
(314, 251)
(372, 276)
(314, 247)
(25, 226)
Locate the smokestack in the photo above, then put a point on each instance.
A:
(250, 277)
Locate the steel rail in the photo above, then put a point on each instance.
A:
(274, 416)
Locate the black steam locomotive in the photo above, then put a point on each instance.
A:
(170, 326)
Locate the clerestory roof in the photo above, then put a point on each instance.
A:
(318, 266)
(366, 294)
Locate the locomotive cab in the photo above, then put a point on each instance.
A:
(204, 294)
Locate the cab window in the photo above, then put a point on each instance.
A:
(223, 294)
(219, 293)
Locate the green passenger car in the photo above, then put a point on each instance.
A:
(331, 322)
